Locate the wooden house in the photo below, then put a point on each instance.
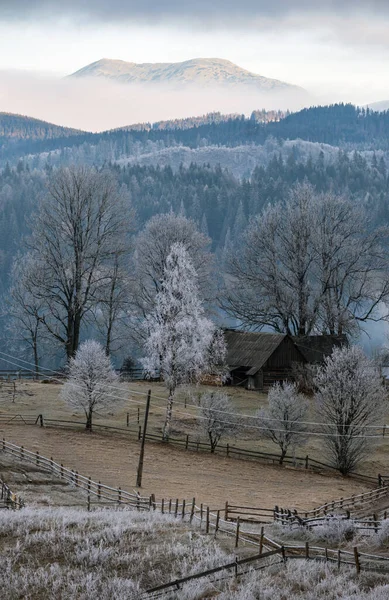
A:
(258, 360)
(315, 348)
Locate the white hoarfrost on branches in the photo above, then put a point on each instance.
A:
(182, 344)
(152, 247)
(311, 263)
(350, 399)
(282, 421)
(92, 384)
(217, 417)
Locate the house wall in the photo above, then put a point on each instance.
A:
(284, 356)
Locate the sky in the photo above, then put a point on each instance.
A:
(336, 50)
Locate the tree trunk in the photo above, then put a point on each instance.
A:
(89, 421)
(36, 359)
(283, 454)
(169, 412)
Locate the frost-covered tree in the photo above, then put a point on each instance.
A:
(152, 247)
(350, 398)
(282, 422)
(217, 417)
(92, 384)
(310, 263)
(80, 227)
(182, 344)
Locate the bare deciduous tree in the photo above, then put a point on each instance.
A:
(217, 417)
(77, 233)
(25, 309)
(282, 421)
(350, 398)
(182, 344)
(311, 263)
(92, 384)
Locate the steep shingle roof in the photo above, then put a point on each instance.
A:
(251, 350)
(315, 348)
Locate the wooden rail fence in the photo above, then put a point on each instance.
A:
(134, 429)
(9, 499)
(214, 521)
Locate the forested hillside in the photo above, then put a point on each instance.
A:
(339, 125)
(220, 203)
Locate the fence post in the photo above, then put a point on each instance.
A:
(170, 505)
(226, 512)
(186, 442)
(237, 532)
(139, 432)
(306, 461)
(379, 480)
(119, 495)
(192, 510)
(217, 522)
(276, 512)
(128, 419)
(183, 509)
(201, 513)
(228, 449)
(306, 549)
(37, 457)
(357, 563)
(99, 490)
(176, 508)
(21, 453)
(207, 521)
(88, 502)
(375, 523)
(41, 420)
(61, 471)
(283, 554)
(261, 540)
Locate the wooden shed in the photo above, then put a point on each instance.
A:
(258, 360)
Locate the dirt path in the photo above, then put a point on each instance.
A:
(171, 472)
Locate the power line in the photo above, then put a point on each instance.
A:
(252, 427)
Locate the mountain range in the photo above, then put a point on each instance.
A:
(200, 71)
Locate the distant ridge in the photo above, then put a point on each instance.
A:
(20, 127)
(199, 71)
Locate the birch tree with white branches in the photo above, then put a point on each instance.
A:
(92, 384)
(282, 421)
(350, 400)
(182, 344)
(152, 247)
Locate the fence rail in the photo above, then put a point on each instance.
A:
(133, 428)
(93, 488)
(9, 499)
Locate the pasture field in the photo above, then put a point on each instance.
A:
(169, 471)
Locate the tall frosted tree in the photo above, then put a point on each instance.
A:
(152, 247)
(182, 344)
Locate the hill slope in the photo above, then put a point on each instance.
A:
(20, 127)
(199, 71)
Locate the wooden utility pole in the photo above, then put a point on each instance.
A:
(142, 447)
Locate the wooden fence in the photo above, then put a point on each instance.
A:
(133, 428)
(8, 498)
(101, 492)
(210, 520)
